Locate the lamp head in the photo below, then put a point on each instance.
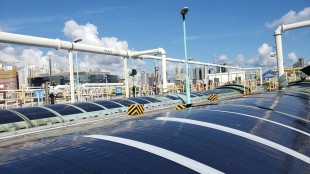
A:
(77, 40)
(184, 11)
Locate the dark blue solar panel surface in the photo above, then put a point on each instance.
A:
(172, 97)
(218, 147)
(88, 156)
(8, 117)
(64, 110)
(198, 93)
(153, 100)
(138, 100)
(184, 94)
(34, 113)
(89, 107)
(108, 104)
(124, 102)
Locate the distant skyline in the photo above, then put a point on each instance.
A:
(233, 32)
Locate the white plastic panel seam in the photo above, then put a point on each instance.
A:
(180, 159)
(241, 134)
(280, 124)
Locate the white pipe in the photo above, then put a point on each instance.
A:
(279, 51)
(71, 77)
(164, 69)
(206, 77)
(163, 62)
(282, 80)
(261, 76)
(194, 62)
(58, 44)
(77, 78)
(294, 26)
(126, 77)
(228, 73)
(154, 51)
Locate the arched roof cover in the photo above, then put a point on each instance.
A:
(254, 134)
(108, 104)
(64, 109)
(88, 107)
(33, 113)
(9, 117)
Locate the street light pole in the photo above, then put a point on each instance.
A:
(188, 99)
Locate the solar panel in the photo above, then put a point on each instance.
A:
(34, 113)
(123, 102)
(172, 97)
(197, 94)
(191, 95)
(153, 100)
(139, 100)
(89, 107)
(64, 109)
(108, 104)
(8, 117)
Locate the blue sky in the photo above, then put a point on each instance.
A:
(236, 32)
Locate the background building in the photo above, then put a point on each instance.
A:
(8, 76)
(64, 78)
(300, 63)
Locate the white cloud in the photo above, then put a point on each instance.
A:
(32, 57)
(7, 54)
(290, 17)
(89, 35)
(263, 58)
(292, 56)
(240, 59)
(223, 58)
(171, 66)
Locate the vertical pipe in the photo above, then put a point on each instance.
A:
(206, 77)
(77, 77)
(50, 68)
(261, 76)
(126, 77)
(228, 73)
(106, 86)
(46, 91)
(164, 71)
(237, 76)
(221, 76)
(188, 99)
(279, 53)
(155, 75)
(71, 76)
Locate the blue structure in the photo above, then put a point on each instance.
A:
(263, 133)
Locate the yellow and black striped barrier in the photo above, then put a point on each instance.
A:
(246, 92)
(179, 107)
(135, 109)
(213, 97)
